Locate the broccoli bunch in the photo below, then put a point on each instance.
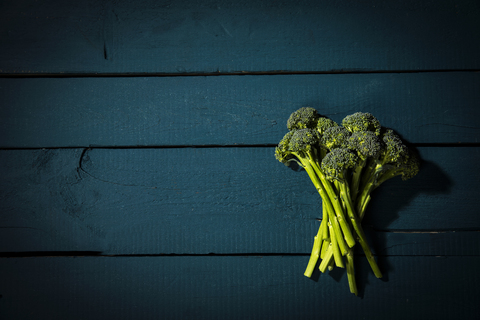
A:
(345, 163)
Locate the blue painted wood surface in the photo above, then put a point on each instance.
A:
(137, 176)
(235, 288)
(152, 36)
(203, 200)
(230, 110)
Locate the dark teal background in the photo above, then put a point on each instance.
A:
(137, 169)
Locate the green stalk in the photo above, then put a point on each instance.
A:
(386, 175)
(324, 226)
(326, 260)
(336, 233)
(351, 272)
(345, 194)
(364, 207)
(369, 176)
(356, 178)
(368, 186)
(331, 264)
(325, 246)
(330, 209)
(336, 251)
(317, 244)
(328, 188)
(381, 174)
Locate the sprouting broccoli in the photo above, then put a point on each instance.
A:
(345, 163)
(303, 118)
(337, 163)
(368, 146)
(335, 137)
(338, 166)
(396, 159)
(303, 146)
(362, 121)
(323, 123)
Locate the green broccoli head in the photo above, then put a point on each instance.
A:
(282, 151)
(362, 121)
(395, 151)
(366, 144)
(304, 141)
(335, 137)
(410, 166)
(324, 123)
(303, 118)
(336, 164)
(297, 145)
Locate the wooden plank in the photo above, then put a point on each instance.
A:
(233, 288)
(443, 243)
(221, 200)
(151, 36)
(229, 110)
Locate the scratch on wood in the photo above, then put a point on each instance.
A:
(79, 167)
(110, 19)
(105, 51)
(226, 30)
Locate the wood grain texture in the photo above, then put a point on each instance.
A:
(233, 288)
(229, 110)
(220, 200)
(151, 36)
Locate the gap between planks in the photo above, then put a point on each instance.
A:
(211, 146)
(209, 74)
(82, 254)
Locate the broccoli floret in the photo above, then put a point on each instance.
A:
(411, 167)
(392, 152)
(407, 168)
(282, 151)
(365, 144)
(304, 142)
(337, 163)
(368, 146)
(299, 145)
(324, 123)
(303, 118)
(395, 159)
(362, 121)
(395, 150)
(335, 137)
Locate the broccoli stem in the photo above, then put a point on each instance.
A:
(324, 226)
(336, 220)
(364, 207)
(356, 178)
(369, 173)
(351, 272)
(381, 174)
(387, 175)
(338, 210)
(345, 195)
(360, 203)
(317, 244)
(331, 264)
(336, 232)
(336, 251)
(327, 258)
(325, 245)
